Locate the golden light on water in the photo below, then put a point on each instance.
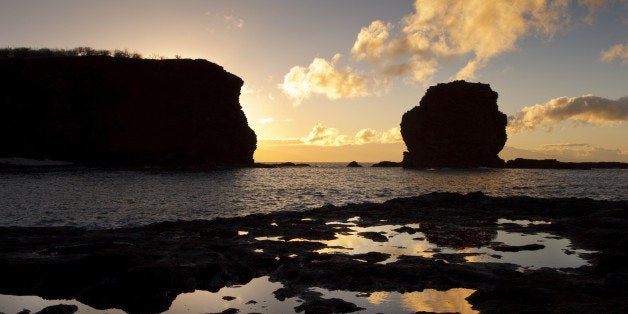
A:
(429, 300)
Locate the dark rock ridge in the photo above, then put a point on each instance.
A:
(109, 111)
(456, 125)
(522, 163)
(281, 165)
(390, 164)
(354, 164)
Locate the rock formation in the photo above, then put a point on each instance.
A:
(389, 164)
(354, 164)
(108, 111)
(456, 125)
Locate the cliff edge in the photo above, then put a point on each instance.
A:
(105, 111)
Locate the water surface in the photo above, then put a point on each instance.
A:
(104, 198)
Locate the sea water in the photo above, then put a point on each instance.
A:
(97, 198)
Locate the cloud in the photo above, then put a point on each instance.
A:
(324, 136)
(227, 21)
(371, 41)
(246, 89)
(232, 21)
(265, 120)
(366, 136)
(592, 6)
(327, 136)
(473, 29)
(322, 77)
(438, 31)
(392, 136)
(619, 51)
(587, 109)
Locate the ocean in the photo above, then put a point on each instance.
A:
(97, 198)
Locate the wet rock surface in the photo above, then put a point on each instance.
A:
(143, 269)
(456, 125)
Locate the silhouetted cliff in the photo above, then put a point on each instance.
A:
(456, 125)
(99, 110)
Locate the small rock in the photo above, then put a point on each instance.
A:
(354, 164)
(375, 236)
(516, 248)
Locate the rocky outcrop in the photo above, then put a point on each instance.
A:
(354, 164)
(108, 111)
(522, 163)
(389, 164)
(456, 125)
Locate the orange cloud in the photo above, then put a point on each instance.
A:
(327, 136)
(619, 51)
(324, 136)
(322, 77)
(475, 31)
(587, 109)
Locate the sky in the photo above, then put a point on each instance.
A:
(328, 80)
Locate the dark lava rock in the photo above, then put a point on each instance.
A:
(517, 248)
(354, 164)
(230, 311)
(59, 309)
(387, 164)
(228, 298)
(327, 306)
(374, 236)
(523, 163)
(456, 125)
(107, 111)
(373, 257)
(406, 229)
(143, 269)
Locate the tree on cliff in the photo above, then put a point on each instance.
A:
(456, 125)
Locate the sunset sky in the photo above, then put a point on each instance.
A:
(328, 80)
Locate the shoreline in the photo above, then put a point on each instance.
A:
(157, 262)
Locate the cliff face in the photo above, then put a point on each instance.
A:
(123, 112)
(456, 125)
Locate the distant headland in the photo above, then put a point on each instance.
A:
(113, 108)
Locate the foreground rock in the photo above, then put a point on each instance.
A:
(143, 269)
(456, 125)
(109, 111)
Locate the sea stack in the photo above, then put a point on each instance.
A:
(456, 125)
(105, 111)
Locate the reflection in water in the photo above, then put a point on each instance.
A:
(398, 243)
(15, 304)
(556, 252)
(255, 296)
(428, 300)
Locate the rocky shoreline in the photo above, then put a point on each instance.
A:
(143, 269)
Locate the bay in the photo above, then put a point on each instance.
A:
(98, 198)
